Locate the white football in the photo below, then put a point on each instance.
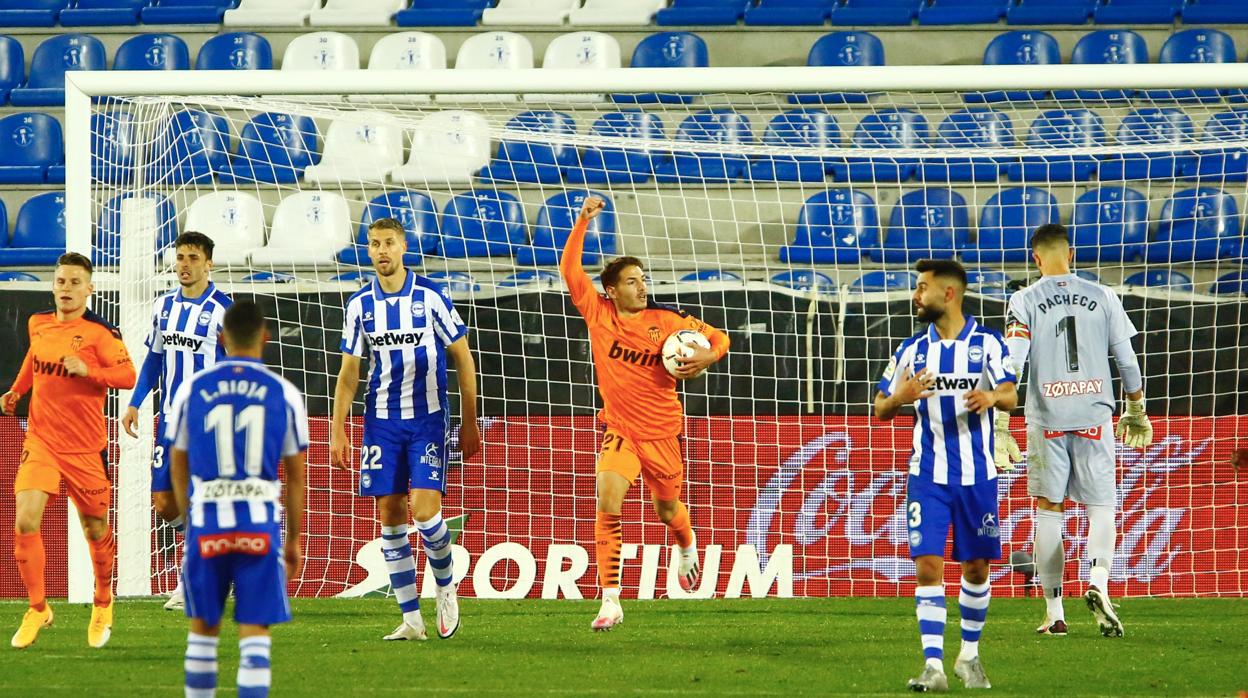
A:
(679, 345)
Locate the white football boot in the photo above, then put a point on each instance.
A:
(610, 615)
(407, 632)
(448, 611)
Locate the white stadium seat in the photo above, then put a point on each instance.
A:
(513, 12)
(492, 51)
(617, 13)
(356, 13)
(447, 147)
(322, 51)
(359, 150)
(408, 51)
(308, 228)
(233, 219)
(579, 51)
(271, 13)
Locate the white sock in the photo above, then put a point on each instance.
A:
(973, 600)
(692, 550)
(200, 666)
(254, 673)
(1050, 557)
(612, 594)
(397, 550)
(437, 540)
(1101, 538)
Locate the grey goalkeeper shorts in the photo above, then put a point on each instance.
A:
(1074, 464)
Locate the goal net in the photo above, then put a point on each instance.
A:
(786, 206)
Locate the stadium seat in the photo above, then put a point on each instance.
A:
(238, 51)
(153, 52)
(684, 13)
(799, 128)
(1230, 164)
(805, 280)
(39, 233)
(102, 13)
(1106, 47)
(45, 86)
(977, 127)
(17, 275)
(408, 51)
(492, 51)
(1110, 225)
(273, 148)
(533, 161)
(270, 13)
(1215, 12)
(1018, 48)
(1195, 46)
(715, 126)
(510, 13)
(1195, 225)
(12, 66)
(1074, 128)
(554, 224)
(1006, 223)
(1231, 283)
(1152, 126)
(356, 13)
(1085, 274)
(931, 223)
(1031, 12)
(633, 13)
(454, 282)
(193, 146)
(710, 275)
(579, 51)
(442, 13)
(233, 219)
(361, 276)
(1133, 12)
(989, 282)
(875, 13)
(447, 146)
(113, 146)
(417, 213)
(482, 224)
(875, 281)
(613, 164)
(309, 227)
(842, 49)
(838, 226)
(667, 50)
(887, 129)
(364, 148)
(270, 277)
(947, 12)
(1160, 278)
(789, 12)
(321, 51)
(187, 11)
(128, 214)
(542, 278)
(31, 13)
(30, 143)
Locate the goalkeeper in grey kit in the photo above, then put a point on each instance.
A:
(1067, 327)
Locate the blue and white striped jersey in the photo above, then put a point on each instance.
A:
(236, 421)
(186, 333)
(951, 445)
(406, 333)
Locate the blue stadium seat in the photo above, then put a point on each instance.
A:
(1018, 48)
(31, 13)
(1160, 278)
(1231, 283)
(1058, 128)
(454, 281)
(30, 143)
(946, 12)
(842, 49)
(989, 282)
(684, 13)
(482, 224)
(666, 50)
(1230, 164)
(881, 280)
(927, 223)
(187, 11)
(612, 165)
(417, 213)
(543, 278)
(153, 52)
(1030, 12)
(875, 13)
(977, 127)
(890, 129)
(45, 85)
(710, 275)
(525, 161)
(790, 13)
(103, 13)
(192, 146)
(443, 13)
(805, 280)
(1152, 126)
(717, 126)
(17, 275)
(1106, 47)
(1006, 223)
(800, 128)
(271, 277)
(1195, 46)
(107, 250)
(237, 51)
(39, 234)
(113, 147)
(1085, 274)
(363, 276)
(12, 66)
(1195, 225)
(1136, 11)
(4, 231)
(273, 148)
(1110, 225)
(838, 226)
(1215, 12)
(554, 224)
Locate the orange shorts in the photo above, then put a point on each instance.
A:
(658, 462)
(86, 481)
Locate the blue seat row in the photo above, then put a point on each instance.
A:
(995, 283)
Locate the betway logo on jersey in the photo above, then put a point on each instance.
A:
(397, 339)
(949, 383)
(176, 340)
(1069, 388)
(50, 368)
(217, 544)
(632, 356)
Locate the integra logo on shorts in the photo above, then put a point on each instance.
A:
(397, 339)
(633, 356)
(988, 527)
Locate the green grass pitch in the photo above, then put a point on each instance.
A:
(739, 647)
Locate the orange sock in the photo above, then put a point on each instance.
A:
(680, 526)
(28, 551)
(607, 542)
(102, 553)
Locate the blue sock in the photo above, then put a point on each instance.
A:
(397, 550)
(973, 605)
(254, 674)
(437, 539)
(201, 666)
(929, 606)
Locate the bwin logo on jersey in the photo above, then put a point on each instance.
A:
(988, 527)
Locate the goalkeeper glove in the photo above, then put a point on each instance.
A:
(1006, 452)
(1133, 426)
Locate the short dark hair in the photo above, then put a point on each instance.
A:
(74, 259)
(1049, 234)
(388, 224)
(611, 272)
(193, 239)
(244, 323)
(944, 268)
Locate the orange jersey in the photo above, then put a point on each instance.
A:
(638, 394)
(67, 412)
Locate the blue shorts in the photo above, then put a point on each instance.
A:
(213, 561)
(161, 480)
(400, 455)
(970, 509)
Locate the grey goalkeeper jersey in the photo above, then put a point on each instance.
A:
(1071, 323)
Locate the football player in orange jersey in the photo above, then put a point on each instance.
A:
(75, 356)
(641, 411)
